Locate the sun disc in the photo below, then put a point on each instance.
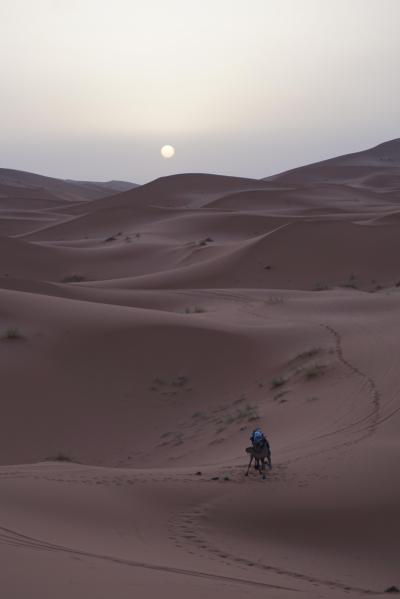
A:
(167, 151)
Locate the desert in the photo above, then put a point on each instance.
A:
(146, 330)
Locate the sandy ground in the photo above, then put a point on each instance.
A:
(145, 334)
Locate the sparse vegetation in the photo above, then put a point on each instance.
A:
(314, 371)
(241, 399)
(275, 300)
(246, 413)
(205, 241)
(171, 438)
(73, 279)
(199, 416)
(277, 381)
(12, 333)
(279, 396)
(195, 310)
(351, 282)
(170, 387)
(321, 286)
(305, 355)
(180, 381)
(108, 239)
(60, 457)
(178, 439)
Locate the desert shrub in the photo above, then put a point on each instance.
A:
(60, 457)
(205, 241)
(278, 396)
(12, 333)
(178, 439)
(108, 239)
(199, 415)
(314, 371)
(277, 381)
(351, 282)
(246, 413)
(309, 353)
(194, 310)
(180, 381)
(320, 286)
(73, 279)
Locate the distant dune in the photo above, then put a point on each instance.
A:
(146, 330)
(19, 184)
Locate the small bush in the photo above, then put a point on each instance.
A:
(277, 381)
(60, 457)
(199, 415)
(73, 279)
(195, 310)
(180, 381)
(314, 371)
(12, 333)
(112, 238)
(351, 282)
(320, 286)
(280, 395)
(246, 413)
(178, 439)
(205, 241)
(305, 355)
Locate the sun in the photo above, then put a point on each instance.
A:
(167, 151)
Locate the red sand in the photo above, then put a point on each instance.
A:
(154, 328)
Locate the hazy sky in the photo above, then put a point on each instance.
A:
(92, 89)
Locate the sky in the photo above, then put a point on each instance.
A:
(92, 89)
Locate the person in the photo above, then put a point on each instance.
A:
(260, 446)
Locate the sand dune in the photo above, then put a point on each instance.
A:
(144, 334)
(16, 183)
(381, 164)
(29, 201)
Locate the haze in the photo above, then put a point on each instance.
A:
(93, 89)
